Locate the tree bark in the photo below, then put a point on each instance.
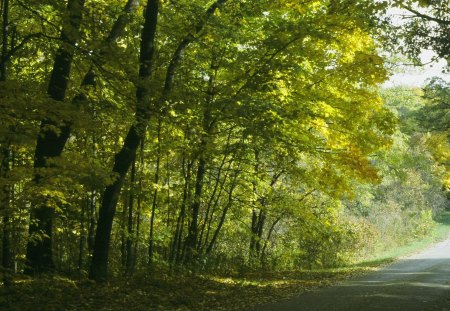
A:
(5, 36)
(224, 214)
(155, 195)
(137, 131)
(92, 221)
(139, 205)
(5, 195)
(263, 256)
(175, 256)
(5, 200)
(130, 231)
(207, 126)
(83, 237)
(209, 210)
(50, 144)
(123, 159)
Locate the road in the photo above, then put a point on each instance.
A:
(419, 282)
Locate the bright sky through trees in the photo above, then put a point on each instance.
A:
(409, 75)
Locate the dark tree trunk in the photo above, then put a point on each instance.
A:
(257, 227)
(155, 195)
(208, 125)
(83, 237)
(5, 191)
(209, 207)
(259, 233)
(217, 197)
(175, 256)
(263, 257)
(92, 222)
(123, 238)
(139, 206)
(123, 160)
(50, 145)
(138, 229)
(130, 231)
(253, 229)
(5, 36)
(224, 214)
(191, 241)
(5, 200)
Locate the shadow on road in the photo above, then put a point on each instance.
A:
(420, 282)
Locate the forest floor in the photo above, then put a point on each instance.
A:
(161, 291)
(158, 291)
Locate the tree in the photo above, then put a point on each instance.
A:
(50, 143)
(123, 159)
(55, 133)
(426, 26)
(257, 118)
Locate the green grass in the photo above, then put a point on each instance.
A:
(439, 233)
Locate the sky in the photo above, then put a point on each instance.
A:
(411, 75)
(417, 76)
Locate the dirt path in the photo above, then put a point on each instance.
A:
(419, 282)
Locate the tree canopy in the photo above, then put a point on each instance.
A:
(213, 135)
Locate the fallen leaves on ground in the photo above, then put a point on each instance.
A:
(160, 291)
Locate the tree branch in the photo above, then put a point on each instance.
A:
(35, 12)
(425, 16)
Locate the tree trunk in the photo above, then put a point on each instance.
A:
(224, 214)
(138, 229)
(155, 195)
(130, 233)
(5, 36)
(5, 191)
(50, 145)
(175, 256)
(137, 131)
(122, 161)
(191, 241)
(92, 222)
(214, 199)
(139, 206)
(123, 238)
(5, 200)
(207, 126)
(83, 237)
(209, 210)
(263, 256)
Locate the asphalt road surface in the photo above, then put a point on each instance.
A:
(419, 282)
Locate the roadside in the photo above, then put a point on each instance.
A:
(160, 291)
(439, 233)
(415, 283)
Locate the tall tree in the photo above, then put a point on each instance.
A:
(123, 159)
(137, 131)
(55, 133)
(50, 143)
(5, 186)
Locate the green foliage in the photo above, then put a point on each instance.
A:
(272, 150)
(424, 26)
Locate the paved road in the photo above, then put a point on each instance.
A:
(419, 282)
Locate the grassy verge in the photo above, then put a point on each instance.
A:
(439, 233)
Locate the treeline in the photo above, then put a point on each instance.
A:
(208, 136)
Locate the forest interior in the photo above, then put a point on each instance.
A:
(215, 155)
